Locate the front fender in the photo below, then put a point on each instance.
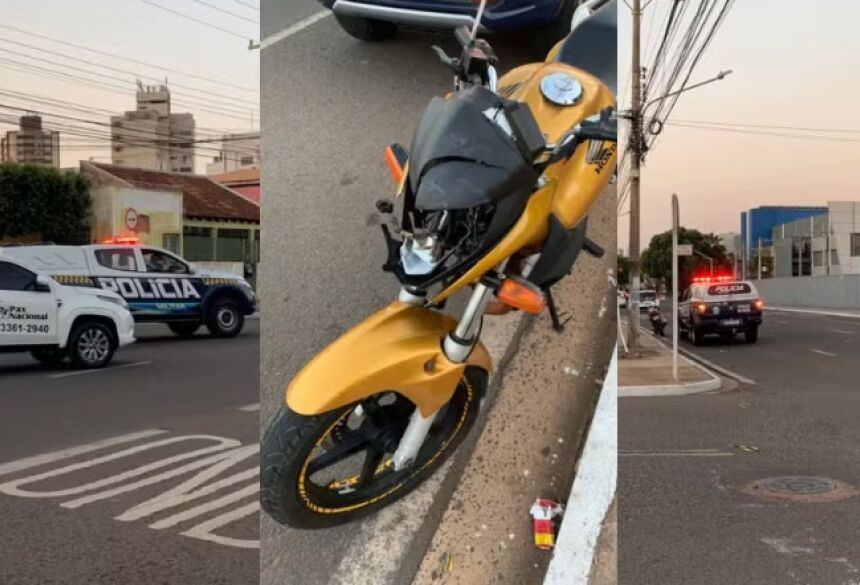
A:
(396, 349)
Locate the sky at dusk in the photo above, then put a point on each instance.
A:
(137, 30)
(795, 64)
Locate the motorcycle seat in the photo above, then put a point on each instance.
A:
(593, 46)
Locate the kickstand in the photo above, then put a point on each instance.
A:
(557, 323)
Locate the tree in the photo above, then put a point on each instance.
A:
(43, 203)
(623, 270)
(657, 258)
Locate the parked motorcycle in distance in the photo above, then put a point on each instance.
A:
(658, 323)
(498, 170)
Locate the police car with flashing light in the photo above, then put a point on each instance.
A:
(55, 322)
(158, 285)
(722, 306)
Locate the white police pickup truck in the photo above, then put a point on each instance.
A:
(723, 306)
(53, 322)
(158, 285)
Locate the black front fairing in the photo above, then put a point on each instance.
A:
(461, 159)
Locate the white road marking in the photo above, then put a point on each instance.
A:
(291, 30)
(37, 460)
(204, 530)
(107, 369)
(824, 312)
(13, 488)
(250, 407)
(214, 461)
(822, 352)
(842, 331)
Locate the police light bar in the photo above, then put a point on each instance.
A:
(710, 279)
(127, 240)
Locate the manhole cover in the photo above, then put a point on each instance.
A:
(798, 488)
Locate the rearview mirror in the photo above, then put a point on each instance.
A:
(43, 284)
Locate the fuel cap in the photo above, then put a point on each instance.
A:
(561, 89)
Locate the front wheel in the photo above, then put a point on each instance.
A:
(91, 345)
(321, 471)
(225, 318)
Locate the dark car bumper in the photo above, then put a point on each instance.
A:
(503, 15)
(729, 323)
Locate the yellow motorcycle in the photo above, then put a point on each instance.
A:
(499, 169)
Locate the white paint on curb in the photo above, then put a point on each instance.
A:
(592, 493)
(672, 389)
(291, 30)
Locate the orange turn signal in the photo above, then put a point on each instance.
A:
(393, 165)
(521, 296)
(759, 304)
(702, 307)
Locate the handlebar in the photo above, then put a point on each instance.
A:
(604, 127)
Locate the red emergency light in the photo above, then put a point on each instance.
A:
(126, 240)
(707, 279)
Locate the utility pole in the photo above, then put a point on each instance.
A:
(635, 163)
(759, 259)
(674, 318)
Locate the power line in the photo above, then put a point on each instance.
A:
(817, 137)
(117, 69)
(195, 19)
(772, 126)
(75, 79)
(225, 11)
(127, 59)
(70, 106)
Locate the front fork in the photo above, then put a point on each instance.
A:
(457, 345)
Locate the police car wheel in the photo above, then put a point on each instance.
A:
(50, 356)
(311, 477)
(91, 345)
(225, 319)
(751, 334)
(184, 328)
(695, 335)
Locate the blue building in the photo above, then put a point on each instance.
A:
(757, 224)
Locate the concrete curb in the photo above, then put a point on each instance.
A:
(711, 385)
(825, 312)
(592, 492)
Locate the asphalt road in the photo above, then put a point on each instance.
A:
(330, 104)
(73, 446)
(685, 461)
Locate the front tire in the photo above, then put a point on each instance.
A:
(225, 318)
(290, 494)
(366, 29)
(91, 345)
(695, 335)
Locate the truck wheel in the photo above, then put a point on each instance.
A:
(695, 335)
(751, 334)
(50, 356)
(225, 319)
(366, 29)
(91, 345)
(184, 329)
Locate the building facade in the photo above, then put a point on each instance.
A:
(820, 245)
(152, 136)
(238, 151)
(30, 144)
(756, 232)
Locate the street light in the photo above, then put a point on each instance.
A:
(706, 257)
(718, 77)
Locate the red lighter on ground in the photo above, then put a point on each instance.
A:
(544, 512)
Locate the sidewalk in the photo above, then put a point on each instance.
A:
(650, 373)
